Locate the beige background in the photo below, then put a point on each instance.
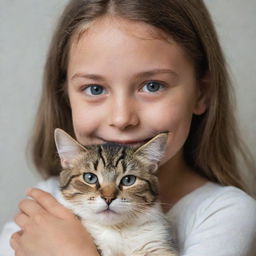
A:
(25, 30)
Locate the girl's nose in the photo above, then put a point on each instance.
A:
(123, 114)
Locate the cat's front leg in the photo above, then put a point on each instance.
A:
(110, 253)
(156, 253)
(99, 252)
(168, 253)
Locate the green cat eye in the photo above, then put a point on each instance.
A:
(128, 180)
(90, 178)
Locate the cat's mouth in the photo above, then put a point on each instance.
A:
(108, 212)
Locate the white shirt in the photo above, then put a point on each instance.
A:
(212, 220)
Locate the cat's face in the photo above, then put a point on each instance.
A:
(109, 183)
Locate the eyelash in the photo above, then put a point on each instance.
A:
(90, 86)
(160, 83)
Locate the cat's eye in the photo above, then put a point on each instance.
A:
(152, 87)
(90, 178)
(128, 180)
(95, 90)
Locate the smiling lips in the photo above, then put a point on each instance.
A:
(127, 142)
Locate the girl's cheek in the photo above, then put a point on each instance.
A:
(85, 125)
(178, 127)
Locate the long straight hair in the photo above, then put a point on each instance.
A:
(213, 144)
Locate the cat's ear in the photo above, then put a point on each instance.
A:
(68, 149)
(152, 152)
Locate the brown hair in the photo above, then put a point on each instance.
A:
(213, 142)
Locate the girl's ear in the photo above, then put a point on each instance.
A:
(152, 152)
(68, 149)
(202, 97)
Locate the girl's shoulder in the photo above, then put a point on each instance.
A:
(214, 217)
(212, 192)
(214, 200)
(213, 196)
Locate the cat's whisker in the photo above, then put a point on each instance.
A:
(146, 204)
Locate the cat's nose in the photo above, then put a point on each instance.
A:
(108, 199)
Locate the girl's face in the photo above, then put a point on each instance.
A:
(125, 85)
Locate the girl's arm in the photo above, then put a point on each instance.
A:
(48, 228)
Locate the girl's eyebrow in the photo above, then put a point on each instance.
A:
(140, 75)
(156, 72)
(89, 76)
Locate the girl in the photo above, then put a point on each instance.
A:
(122, 72)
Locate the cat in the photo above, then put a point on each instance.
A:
(113, 190)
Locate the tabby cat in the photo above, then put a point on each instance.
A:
(113, 190)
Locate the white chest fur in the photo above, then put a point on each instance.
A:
(145, 235)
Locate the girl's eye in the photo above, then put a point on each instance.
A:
(94, 90)
(90, 178)
(128, 180)
(152, 87)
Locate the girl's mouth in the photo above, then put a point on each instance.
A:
(133, 143)
(130, 142)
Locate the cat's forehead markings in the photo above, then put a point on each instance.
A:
(101, 155)
(120, 156)
(101, 166)
(95, 164)
(121, 167)
(113, 154)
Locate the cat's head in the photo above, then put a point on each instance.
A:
(109, 183)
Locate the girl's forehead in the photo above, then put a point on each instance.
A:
(110, 44)
(108, 24)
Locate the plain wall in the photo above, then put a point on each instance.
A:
(26, 27)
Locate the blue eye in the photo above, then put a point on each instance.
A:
(94, 90)
(90, 178)
(152, 87)
(128, 180)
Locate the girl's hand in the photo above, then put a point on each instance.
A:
(48, 228)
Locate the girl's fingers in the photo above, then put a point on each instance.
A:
(30, 207)
(14, 240)
(49, 203)
(14, 243)
(21, 219)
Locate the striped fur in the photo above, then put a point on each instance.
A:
(110, 209)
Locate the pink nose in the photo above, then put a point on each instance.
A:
(108, 199)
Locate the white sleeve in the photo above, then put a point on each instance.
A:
(225, 227)
(51, 186)
(8, 230)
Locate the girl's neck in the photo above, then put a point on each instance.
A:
(177, 179)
